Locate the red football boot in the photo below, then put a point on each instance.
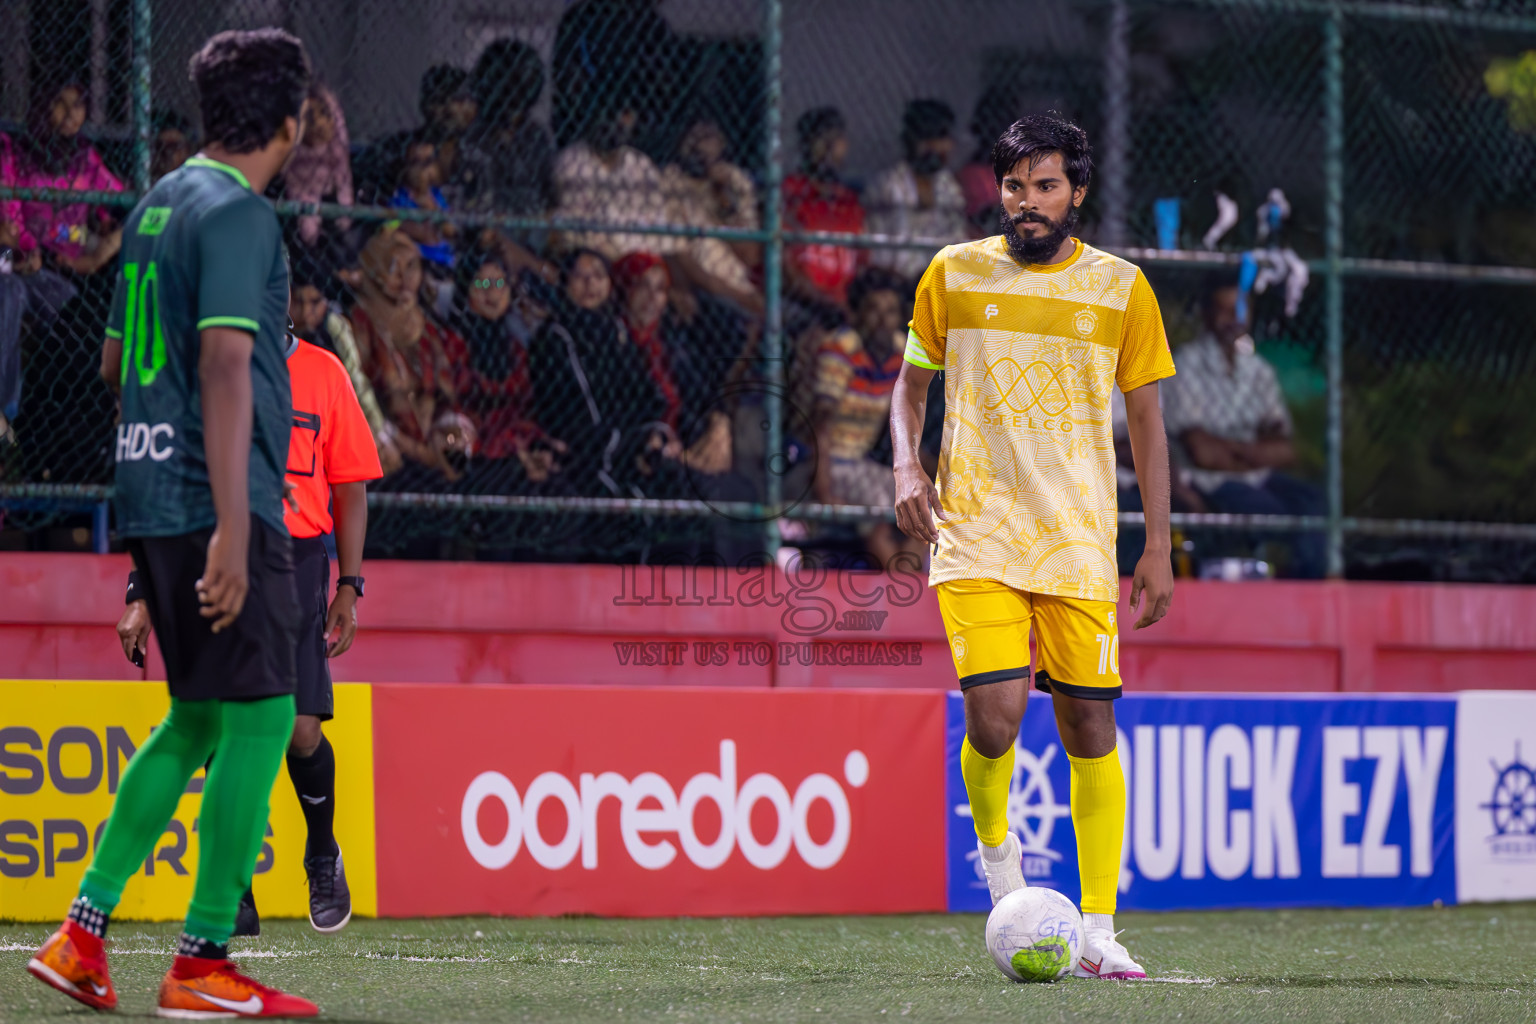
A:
(196, 988)
(75, 962)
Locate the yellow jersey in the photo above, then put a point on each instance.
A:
(1030, 355)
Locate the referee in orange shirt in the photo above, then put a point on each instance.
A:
(331, 457)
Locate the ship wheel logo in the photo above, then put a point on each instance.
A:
(1513, 804)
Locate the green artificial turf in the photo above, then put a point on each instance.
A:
(1475, 963)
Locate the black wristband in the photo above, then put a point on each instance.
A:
(355, 582)
(135, 592)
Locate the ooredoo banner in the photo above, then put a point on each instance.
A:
(632, 802)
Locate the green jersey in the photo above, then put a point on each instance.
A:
(200, 250)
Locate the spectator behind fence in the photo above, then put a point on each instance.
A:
(919, 197)
(488, 348)
(696, 432)
(687, 453)
(321, 168)
(405, 358)
(507, 81)
(817, 276)
(591, 387)
(74, 237)
(420, 181)
(317, 320)
(703, 189)
(995, 111)
(855, 375)
(447, 111)
(608, 49)
(1229, 421)
(602, 178)
(174, 141)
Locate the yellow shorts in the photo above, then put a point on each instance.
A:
(1077, 647)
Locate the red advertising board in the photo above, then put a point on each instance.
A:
(598, 800)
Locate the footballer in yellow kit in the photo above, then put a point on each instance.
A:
(1033, 330)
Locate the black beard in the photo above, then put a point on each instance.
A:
(1036, 250)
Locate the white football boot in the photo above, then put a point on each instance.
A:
(1003, 866)
(1102, 956)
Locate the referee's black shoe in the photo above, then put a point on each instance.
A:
(330, 901)
(247, 921)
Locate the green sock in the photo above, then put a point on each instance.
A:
(252, 741)
(151, 787)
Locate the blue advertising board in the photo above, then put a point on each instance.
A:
(1264, 801)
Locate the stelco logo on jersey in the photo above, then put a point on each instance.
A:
(1034, 397)
(549, 800)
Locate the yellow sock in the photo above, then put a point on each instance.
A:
(1098, 817)
(986, 784)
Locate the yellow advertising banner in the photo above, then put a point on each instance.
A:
(63, 746)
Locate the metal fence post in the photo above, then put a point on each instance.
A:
(1333, 121)
(1117, 121)
(141, 99)
(773, 276)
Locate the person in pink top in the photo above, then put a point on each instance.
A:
(76, 237)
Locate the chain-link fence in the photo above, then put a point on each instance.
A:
(614, 277)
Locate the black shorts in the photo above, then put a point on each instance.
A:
(251, 660)
(312, 574)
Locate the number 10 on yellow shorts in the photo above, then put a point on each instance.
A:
(1077, 644)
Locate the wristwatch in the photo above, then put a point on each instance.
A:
(355, 582)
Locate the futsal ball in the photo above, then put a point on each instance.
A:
(1035, 934)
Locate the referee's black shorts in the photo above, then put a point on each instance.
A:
(312, 574)
(254, 657)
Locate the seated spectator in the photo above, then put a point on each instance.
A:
(816, 277)
(601, 178)
(54, 248)
(855, 376)
(687, 454)
(1230, 426)
(420, 178)
(447, 111)
(77, 238)
(175, 140)
(608, 48)
(320, 170)
(318, 321)
(591, 386)
(507, 81)
(404, 356)
(518, 153)
(995, 111)
(919, 197)
(488, 348)
(703, 189)
(696, 432)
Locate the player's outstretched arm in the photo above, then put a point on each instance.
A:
(1149, 449)
(224, 373)
(917, 500)
(349, 506)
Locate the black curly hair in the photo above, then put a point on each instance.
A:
(1037, 136)
(248, 84)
